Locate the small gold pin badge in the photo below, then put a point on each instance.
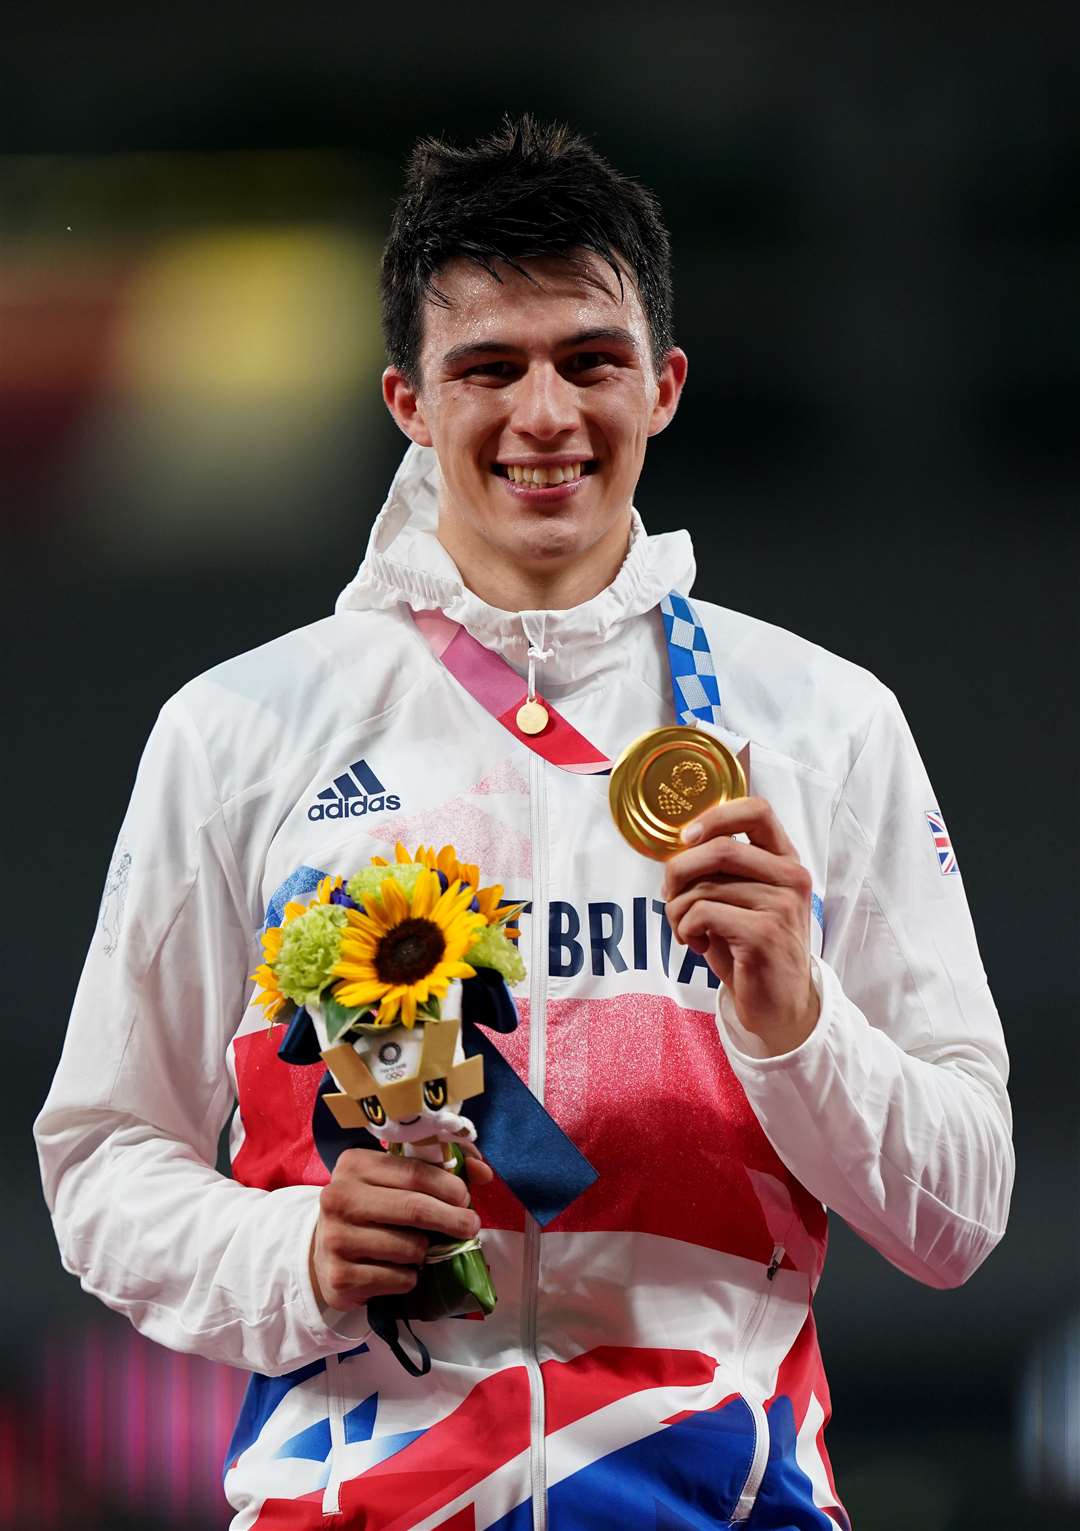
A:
(532, 717)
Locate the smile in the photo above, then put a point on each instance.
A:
(542, 475)
(545, 481)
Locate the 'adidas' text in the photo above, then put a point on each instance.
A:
(354, 793)
(354, 808)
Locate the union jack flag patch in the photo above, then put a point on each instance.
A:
(942, 844)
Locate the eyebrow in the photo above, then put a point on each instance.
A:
(613, 335)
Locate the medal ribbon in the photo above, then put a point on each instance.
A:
(499, 689)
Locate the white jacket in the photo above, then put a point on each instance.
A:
(704, 1236)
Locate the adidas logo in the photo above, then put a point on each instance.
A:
(355, 792)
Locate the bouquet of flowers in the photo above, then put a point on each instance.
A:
(376, 963)
(385, 944)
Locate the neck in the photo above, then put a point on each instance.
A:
(527, 587)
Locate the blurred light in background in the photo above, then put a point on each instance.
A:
(167, 382)
(250, 316)
(116, 1430)
(1049, 1416)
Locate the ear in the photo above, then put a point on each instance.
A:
(669, 387)
(403, 402)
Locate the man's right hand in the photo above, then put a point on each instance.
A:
(366, 1242)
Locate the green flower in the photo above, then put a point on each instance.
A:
(494, 949)
(370, 880)
(310, 947)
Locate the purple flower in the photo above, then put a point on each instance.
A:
(339, 896)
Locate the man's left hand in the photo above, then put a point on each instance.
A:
(746, 910)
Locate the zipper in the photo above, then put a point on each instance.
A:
(530, 1274)
(760, 1459)
(335, 1406)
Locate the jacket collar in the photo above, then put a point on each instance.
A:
(405, 562)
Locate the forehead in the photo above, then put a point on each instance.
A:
(560, 300)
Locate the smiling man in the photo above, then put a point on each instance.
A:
(791, 1015)
(538, 386)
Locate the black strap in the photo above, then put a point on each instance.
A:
(384, 1321)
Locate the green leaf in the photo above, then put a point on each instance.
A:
(339, 1017)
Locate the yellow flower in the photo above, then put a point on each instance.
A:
(271, 1000)
(399, 954)
(446, 862)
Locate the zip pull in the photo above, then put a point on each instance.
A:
(532, 716)
(774, 1263)
(535, 653)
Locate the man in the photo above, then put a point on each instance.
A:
(790, 1013)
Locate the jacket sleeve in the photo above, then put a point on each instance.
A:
(128, 1136)
(894, 1111)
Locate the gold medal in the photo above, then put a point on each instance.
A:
(665, 779)
(532, 717)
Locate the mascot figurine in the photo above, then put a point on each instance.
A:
(405, 1086)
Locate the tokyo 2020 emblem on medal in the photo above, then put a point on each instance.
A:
(666, 778)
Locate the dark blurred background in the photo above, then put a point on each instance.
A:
(876, 219)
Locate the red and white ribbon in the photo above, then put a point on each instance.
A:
(499, 689)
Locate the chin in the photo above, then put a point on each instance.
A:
(548, 546)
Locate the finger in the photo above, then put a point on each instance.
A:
(360, 1245)
(741, 895)
(709, 944)
(751, 816)
(478, 1172)
(346, 1286)
(707, 923)
(733, 858)
(396, 1171)
(413, 1209)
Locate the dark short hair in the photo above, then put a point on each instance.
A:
(530, 189)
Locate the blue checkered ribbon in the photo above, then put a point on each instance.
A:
(693, 674)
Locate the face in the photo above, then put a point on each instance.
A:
(393, 1056)
(539, 398)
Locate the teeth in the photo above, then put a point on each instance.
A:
(543, 477)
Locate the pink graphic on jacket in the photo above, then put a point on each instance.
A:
(505, 780)
(478, 836)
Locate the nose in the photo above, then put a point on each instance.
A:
(545, 404)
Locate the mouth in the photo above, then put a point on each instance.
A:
(540, 482)
(546, 475)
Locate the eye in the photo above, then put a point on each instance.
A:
(389, 1052)
(588, 361)
(492, 372)
(373, 1109)
(435, 1093)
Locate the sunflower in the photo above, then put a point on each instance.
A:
(399, 953)
(488, 900)
(270, 999)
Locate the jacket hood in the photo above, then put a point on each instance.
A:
(405, 562)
